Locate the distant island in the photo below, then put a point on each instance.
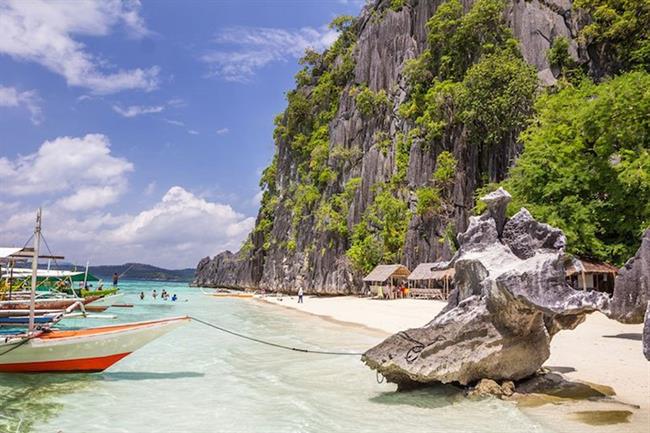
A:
(135, 271)
(141, 271)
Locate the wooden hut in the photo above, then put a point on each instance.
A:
(584, 274)
(431, 281)
(383, 277)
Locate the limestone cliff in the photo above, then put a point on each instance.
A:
(287, 251)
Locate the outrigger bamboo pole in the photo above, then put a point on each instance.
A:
(32, 294)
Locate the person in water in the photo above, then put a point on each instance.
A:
(141, 296)
(300, 295)
(174, 298)
(116, 278)
(154, 294)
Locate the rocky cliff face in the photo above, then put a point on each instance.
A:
(301, 255)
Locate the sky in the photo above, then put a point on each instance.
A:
(141, 127)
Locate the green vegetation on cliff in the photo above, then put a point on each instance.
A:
(584, 168)
(586, 165)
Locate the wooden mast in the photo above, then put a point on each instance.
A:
(32, 294)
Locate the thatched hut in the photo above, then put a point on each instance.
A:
(584, 274)
(431, 280)
(383, 277)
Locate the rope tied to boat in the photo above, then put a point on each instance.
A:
(277, 345)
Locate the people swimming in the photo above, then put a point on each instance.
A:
(174, 298)
(154, 294)
(141, 296)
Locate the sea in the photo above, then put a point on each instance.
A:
(198, 379)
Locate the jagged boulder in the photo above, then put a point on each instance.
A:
(503, 313)
(632, 286)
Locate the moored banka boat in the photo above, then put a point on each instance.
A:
(84, 350)
(44, 349)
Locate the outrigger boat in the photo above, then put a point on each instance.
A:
(45, 349)
(220, 293)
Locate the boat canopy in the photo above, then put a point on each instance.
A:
(8, 251)
(48, 274)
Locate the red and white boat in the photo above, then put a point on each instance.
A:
(83, 350)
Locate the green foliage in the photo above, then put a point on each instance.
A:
(458, 40)
(342, 24)
(498, 97)
(438, 108)
(402, 156)
(558, 55)
(397, 5)
(304, 198)
(586, 165)
(369, 102)
(380, 235)
(445, 168)
(620, 30)
(344, 154)
(332, 213)
(382, 140)
(428, 200)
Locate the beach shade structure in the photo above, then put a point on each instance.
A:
(583, 274)
(431, 280)
(383, 276)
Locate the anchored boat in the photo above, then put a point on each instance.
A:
(84, 350)
(45, 349)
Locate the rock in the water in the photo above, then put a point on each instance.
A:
(504, 311)
(632, 286)
(646, 334)
(486, 388)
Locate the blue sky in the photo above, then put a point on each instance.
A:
(142, 127)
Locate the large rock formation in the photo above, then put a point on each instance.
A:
(511, 297)
(632, 286)
(385, 40)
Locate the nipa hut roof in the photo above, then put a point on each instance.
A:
(382, 273)
(432, 271)
(590, 267)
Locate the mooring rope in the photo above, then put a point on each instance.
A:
(269, 343)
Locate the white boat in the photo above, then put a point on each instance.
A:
(45, 349)
(82, 350)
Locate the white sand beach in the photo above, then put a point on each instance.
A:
(599, 351)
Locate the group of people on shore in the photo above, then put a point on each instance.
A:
(393, 292)
(164, 296)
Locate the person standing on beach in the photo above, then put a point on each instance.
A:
(115, 279)
(300, 295)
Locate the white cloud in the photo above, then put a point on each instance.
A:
(137, 110)
(151, 188)
(193, 132)
(223, 131)
(11, 97)
(92, 197)
(175, 122)
(244, 50)
(82, 168)
(42, 31)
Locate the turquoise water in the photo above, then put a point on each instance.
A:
(199, 380)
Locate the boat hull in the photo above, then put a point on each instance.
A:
(84, 350)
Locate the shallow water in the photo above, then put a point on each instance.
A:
(197, 379)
